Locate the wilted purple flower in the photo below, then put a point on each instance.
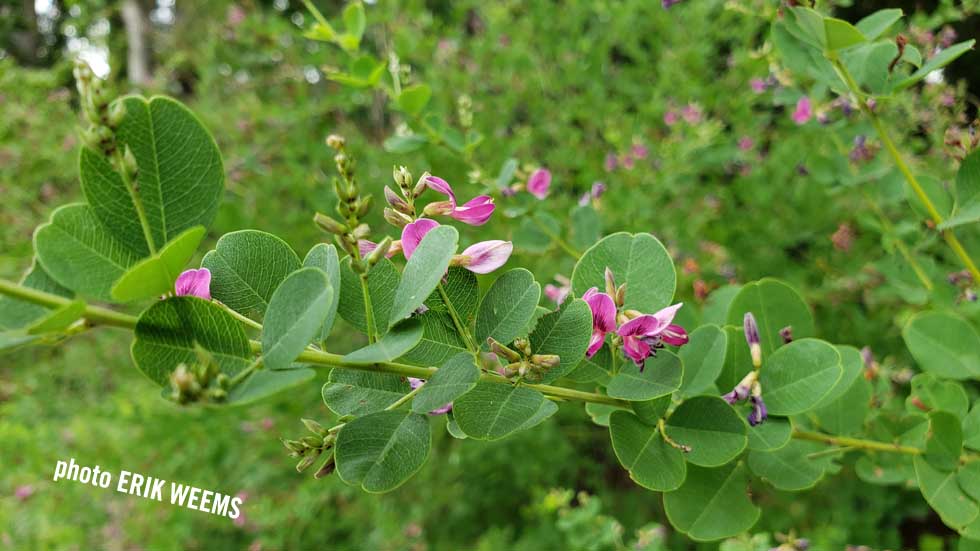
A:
(860, 152)
(195, 283)
(539, 183)
(485, 256)
(416, 383)
(558, 293)
(803, 111)
(598, 188)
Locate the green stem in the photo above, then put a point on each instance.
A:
(134, 196)
(316, 13)
(903, 167)
(900, 244)
(240, 376)
(404, 399)
(94, 314)
(460, 326)
(372, 331)
(858, 443)
(557, 239)
(245, 320)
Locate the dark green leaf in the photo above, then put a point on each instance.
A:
(380, 451)
(640, 261)
(641, 450)
(452, 380)
(295, 316)
(661, 376)
(424, 271)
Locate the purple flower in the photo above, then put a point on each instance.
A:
(610, 162)
(742, 389)
(413, 233)
(668, 3)
(639, 151)
(745, 143)
(643, 334)
(598, 188)
(416, 383)
(759, 412)
(474, 212)
(539, 182)
(803, 111)
(758, 85)
(603, 318)
(751, 330)
(485, 256)
(194, 283)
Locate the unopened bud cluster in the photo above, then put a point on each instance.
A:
(310, 448)
(400, 211)
(200, 382)
(351, 206)
(523, 362)
(104, 118)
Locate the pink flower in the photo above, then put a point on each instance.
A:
(803, 111)
(416, 383)
(474, 212)
(758, 85)
(627, 161)
(558, 293)
(413, 233)
(194, 283)
(644, 333)
(745, 143)
(365, 247)
(692, 113)
(603, 318)
(485, 256)
(611, 162)
(639, 151)
(539, 182)
(670, 118)
(24, 492)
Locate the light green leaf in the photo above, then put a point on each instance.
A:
(295, 315)
(80, 254)
(789, 467)
(351, 392)
(930, 392)
(383, 280)
(715, 309)
(853, 365)
(452, 380)
(154, 276)
(712, 504)
(640, 261)
(491, 411)
(380, 451)
(661, 376)
(878, 22)
(600, 413)
(180, 180)
(355, 21)
(264, 383)
(944, 495)
(944, 442)
(507, 307)
(246, 268)
(325, 258)
(463, 291)
(775, 305)
(58, 319)
(399, 341)
(971, 427)
(641, 450)
(841, 34)
(938, 61)
(586, 227)
(771, 435)
(564, 333)
(167, 333)
(943, 344)
(401, 145)
(738, 361)
(797, 376)
(17, 314)
(846, 415)
(413, 99)
(966, 213)
(968, 477)
(423, 271)
(703, 358)
(712, 429)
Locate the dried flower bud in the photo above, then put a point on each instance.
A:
(787, 334)
(329, 224)
(327, 468)
(620, 297)
(546, 361)
(335, 141)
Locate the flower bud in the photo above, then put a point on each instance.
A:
(361, 231)
(396, 202)
(610, 283)
(335, 141)
(421, 185)
(620, 297)
(546, 361)
(438, 208)
(329, 224)
(327, 468)
(787, 334)
(396, 218)
(502, 351)
(379, 252)
(364, 206)
(523, 345)
(117, 112)
(307, 461)
(314, 427)
(402, 177)
(751, 330)
(129, 162)
(90, 138)
(312, 441)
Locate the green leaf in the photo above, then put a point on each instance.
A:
(383, 280)
(491, 411)
(966, 213)
(877, 23)
(586, 227)
(968, 179)
(641, 450)
(841, 34)
(738, 361)
(322, 31)
(401, 145)
(454, 379)
(661, 376)
(17, 314)
(58, 319)
(869, 63)
(600, 413)
(399, 341)
(180, 180)
(930, 392)
(507, 307)
(564, 333)
(652, 411)
(797, 376)
(440, 341)
(938, 61)
(703, 358)
(79, 253)
(944, 442)
(351, 392)
(537, 232)
(413, 99)
(264, 383)
(424, 271)
(712, 429)
(246, 268)
(355, 20)
(943, 344)
(775, 305)
(379, 452)
(463, 291)
(325, 258)
(846, 415)
(771, 435)
(295, 316)
(17, 338)
(789, 467)
(853, 365)
(640, 261)
(809, 27)
(944, 495)
(971, 427)
(968, 477)
(592, 369)
(715, 309)
(546, 410)
(155, 275)
(712, 504)
(167, 333)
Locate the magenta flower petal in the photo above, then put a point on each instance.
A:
(646, 325)
(474, 212)
(636, 350)
(194, 283)
(803, 111)
(539, 183)
(365, 247)
(413, 233)
(486, 256)
(674, 335)
(603, 310)
(439, 185)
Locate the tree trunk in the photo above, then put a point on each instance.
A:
(139, 57)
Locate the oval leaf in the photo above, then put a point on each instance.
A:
(944, 344)
(295, 315)
(491, 411)
(155, 276)
(797, 376)
(564, 333)
(711, 428)
(507, 307)
(661, 376)
(351, 392)
(454, 379)
(379, 452)
(325, 258)
(703, 358)
(640, 261)
(424, 271)
(641, 450)
(712, 503)
(775, 305)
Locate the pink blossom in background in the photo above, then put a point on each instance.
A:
(627, 161)
(23, 492)
(746, 143)
(639, 151)
(539, 183)
(758, 85)
(194, 283)
(692, 113)
(610, 162)
(803, 111)
(671, 118)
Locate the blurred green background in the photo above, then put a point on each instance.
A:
(562, 84)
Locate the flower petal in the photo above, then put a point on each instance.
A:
(674, 335)
(642, 326)
(666, 315)
(413, 233)
(636, 350)
(486, 256)
(539, 183)
(194, 283)
(603, 310)
(475, 212)
(439, 185)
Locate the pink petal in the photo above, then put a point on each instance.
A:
(642, 326)
(475, 212)
(666, 315)
(556, 293)
(803, 112)
(539, 182)
(486, 256)
(603, 310)
(636, 349)
(674, 335)
(413, 233)
(194, 283)
(365, 247)
(595, 343)
(439, 185)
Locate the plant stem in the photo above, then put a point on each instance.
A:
(372, 331)
(556, 238)
(94, 314)
(134, 196)
(245, 320)
(844, 441)
(404, 399)
(460, 326)
(242, 375)
(903, 167)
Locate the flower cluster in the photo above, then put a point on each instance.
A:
(627, 160)
(641, 334)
